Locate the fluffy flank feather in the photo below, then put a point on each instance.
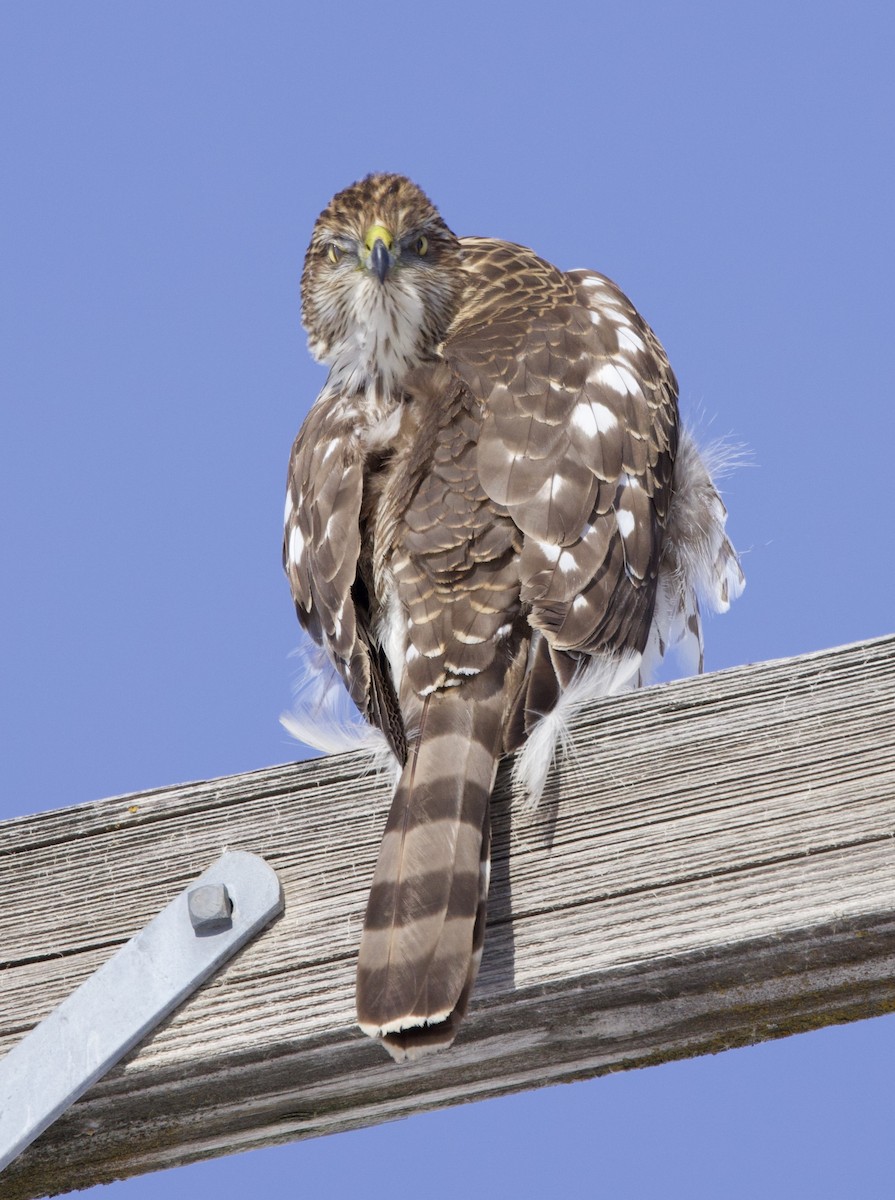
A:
(323, 715)
(699, 564)
(601, 675)
(706, 561)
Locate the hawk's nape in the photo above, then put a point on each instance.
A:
(492, 516)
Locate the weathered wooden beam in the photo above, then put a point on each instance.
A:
(714, 867)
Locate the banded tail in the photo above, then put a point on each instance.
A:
(425, 921)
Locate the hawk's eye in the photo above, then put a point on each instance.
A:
(421, 246)
(333, 252)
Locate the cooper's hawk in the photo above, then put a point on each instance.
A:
(492, 516)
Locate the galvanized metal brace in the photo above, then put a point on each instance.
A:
(130, 994)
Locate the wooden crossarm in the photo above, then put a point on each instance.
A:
(713, 867)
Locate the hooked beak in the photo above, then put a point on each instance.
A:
(379, 242)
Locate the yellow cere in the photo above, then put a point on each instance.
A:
(378, 233)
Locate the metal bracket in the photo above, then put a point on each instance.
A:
(131, 993)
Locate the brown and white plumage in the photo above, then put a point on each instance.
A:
(492, 516)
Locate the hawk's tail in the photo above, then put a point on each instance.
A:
(424, 927)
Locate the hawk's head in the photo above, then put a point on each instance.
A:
(382, 280)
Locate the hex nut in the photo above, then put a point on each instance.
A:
(210, 908)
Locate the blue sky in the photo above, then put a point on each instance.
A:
(729, 166)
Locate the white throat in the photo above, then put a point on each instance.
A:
(383, 338)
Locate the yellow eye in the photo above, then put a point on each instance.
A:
(333, 252)
(422, 246)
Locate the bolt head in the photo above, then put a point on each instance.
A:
(210, 908)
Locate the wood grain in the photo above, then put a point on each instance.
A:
(714, 867)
